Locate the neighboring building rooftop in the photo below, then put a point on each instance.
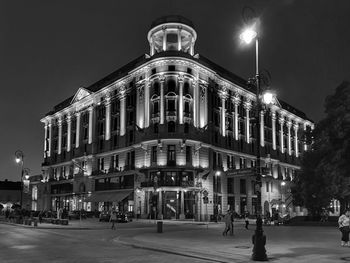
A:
(9, 185)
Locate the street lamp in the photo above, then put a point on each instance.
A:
(259, 239)
(19, 158)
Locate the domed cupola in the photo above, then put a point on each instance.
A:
(172, 33)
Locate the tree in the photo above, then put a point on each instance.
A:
(325, 170)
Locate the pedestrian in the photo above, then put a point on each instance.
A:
(246, 219)
(227, 220)
(344, 228)
(232, 220)
(40, 217)
(113, 219)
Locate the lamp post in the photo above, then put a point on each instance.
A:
(259, 239)
(19, 158)
(217, 174)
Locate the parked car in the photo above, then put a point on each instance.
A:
(104, 216)
(73, 215)
(76, 214)
(123, 218)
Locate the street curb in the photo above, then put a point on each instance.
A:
(38, 227)
(173, 252)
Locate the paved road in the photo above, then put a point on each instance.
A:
(20, 244)
(92, 241)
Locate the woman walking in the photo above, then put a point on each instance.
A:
(228, 225)
(344, 222)
(113, 219)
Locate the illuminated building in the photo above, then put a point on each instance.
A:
(168, 129)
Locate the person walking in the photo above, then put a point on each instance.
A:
(113, 219)
(246, 219)
(344, 222)
(232, 220)
(227, 220)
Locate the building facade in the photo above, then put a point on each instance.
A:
(170, 135)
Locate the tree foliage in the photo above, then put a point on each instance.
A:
(325, 171)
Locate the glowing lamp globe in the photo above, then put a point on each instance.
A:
(248, 35)
(267, 98)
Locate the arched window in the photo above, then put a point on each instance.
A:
(155, 127)
(156, 88)
(156, 107)
(171, 126)
(186, 88)
(171, 105)
(187, 107)
(171, 85)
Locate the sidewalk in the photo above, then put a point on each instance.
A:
(284, 243)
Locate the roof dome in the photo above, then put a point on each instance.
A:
(172, 32)
(172, 19)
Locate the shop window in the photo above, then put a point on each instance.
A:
(242, 186)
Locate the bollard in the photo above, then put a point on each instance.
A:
(160, 227)
(35, 223)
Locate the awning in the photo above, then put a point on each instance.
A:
(115, 196)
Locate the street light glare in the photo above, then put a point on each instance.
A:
(283, 183)
(267, 98)
(248, 35)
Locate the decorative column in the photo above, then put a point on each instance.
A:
(223, 96)
(289, 125)
(162, 81)
(192, 47)
(195, 102)
(179, 39)
(182, 213)
(77, 134)
(305, 145)
(91, 108)
(147, 88)
(262, 129)
(69, 131)
(45, 138)
(247, 106)
(236, 103)
(59, 135)
(281, 121)
(273, 118)
(164, 39)
(50, 138)
(181, 99)
(296, 145)
(151, 46)
(203, 107)
(108, 117)
(140, 106)
(122, 111)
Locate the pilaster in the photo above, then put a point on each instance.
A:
(181, 99)
(69, 131)
(108, 117)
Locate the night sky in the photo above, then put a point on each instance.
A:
(48, 49)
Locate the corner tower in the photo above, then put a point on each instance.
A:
(172, 33)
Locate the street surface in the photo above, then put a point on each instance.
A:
(93, 241)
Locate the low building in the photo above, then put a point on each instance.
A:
(170, 135)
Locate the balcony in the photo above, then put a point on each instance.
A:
(162, 183)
